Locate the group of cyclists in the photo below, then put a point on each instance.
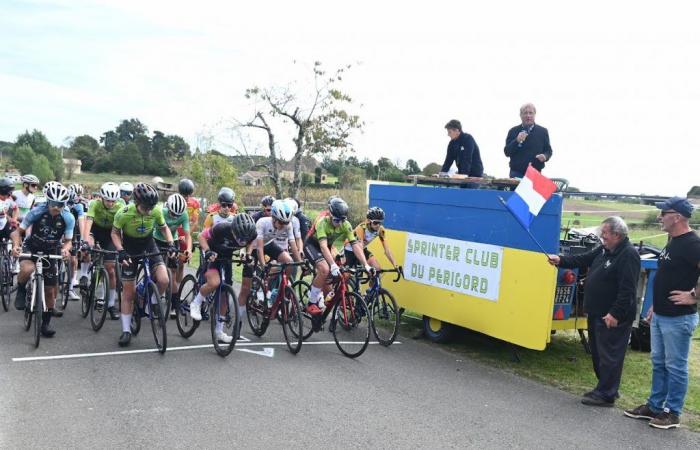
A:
(127, 220)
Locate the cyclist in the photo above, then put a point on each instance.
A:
(221, 241)
(224, 212)
(176, 217)
(132, 234)
(8, 211)
(75, 207)
(366, 232)
(265, 208)
(186, 188)
(125, 190)
(296, 224)
(98, 228)
(25, 197)
(52, 229)
(328, 229)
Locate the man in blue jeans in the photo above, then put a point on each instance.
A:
(673, 316)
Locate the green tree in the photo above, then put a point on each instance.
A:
(23, 158)
(351, 177)
(210, 172)
(431, 169)
(411, 168)
(126, 158)
(42, 169)
(41, 146)
(86, 149)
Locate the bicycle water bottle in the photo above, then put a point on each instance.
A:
(328, 300)
(273, 296)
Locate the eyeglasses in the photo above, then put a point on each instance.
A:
(124, 193)
(226, 205)
(377, 222)
(34, 185)
(663, 213)
(54, 204)
(268, 209)
(339, 219)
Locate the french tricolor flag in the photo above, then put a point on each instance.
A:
(530, 196)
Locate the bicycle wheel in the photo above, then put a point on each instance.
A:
(256, 309)
(138, 306)
(229, 319)
(168, 293)
(188, 291)
(38, 312)
(5, 282)
(99, 298)
(27, 303)
(384, 314)
(350, 325)
(293, 325)
(86, 295)
(157, 316)
(65, 279)
(301, 288)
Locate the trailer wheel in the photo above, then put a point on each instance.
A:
(436, 330)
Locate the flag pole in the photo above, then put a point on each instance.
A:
(525, 228)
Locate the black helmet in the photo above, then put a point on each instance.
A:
(226, 195)
(338, 208)
(6, 186)
(185, 187)
(375, 213)
(267, 200)
(146, 195)
(243, 227)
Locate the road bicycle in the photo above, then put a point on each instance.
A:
(36, 302)
(95, 295)
(156, 306)
(384, 311)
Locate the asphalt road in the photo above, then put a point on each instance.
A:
(410, 395)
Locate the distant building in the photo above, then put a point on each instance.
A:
(253, 178)
(72, 165)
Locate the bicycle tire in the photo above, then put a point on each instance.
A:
(292, 322)
(135, 326)
(38, 312)
(187, 292)
(384, 317)
(98, 306)
(6, 280)
(301, 289)
(27, 304)
(350, 324)
(257, 313)
(65, 280)
(168, 293)
(157, 317)
(86, 295)
(230, 320)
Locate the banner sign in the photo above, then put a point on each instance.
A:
(460, 266)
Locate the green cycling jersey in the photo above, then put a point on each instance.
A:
(326, 230)
(173, 222)
(102, 216)
(133, 224)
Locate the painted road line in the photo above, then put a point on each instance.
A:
(170, 349)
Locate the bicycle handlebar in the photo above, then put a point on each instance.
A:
(40, 256)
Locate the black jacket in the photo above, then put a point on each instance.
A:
(537, 142)
(465, 151)
(611, 283)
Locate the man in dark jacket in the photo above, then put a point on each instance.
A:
(527, 143)
(462, 149)
(609, 299)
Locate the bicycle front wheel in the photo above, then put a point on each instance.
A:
(86, 295)
(5, 282)
(188, 291)
(99, 298)
(65, 281)
(301, 290)
(38, 312)
(157, 308)
(293, 326)
(350, 325)
(384, 313)
(224, 321)
(28, 305)
(256, 309)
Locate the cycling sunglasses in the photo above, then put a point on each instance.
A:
(377, 222)
(54, 204)
(34, 185)
(124, 193)
(226, 205)
(338, 219)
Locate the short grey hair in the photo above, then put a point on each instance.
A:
(616, 225)
(522, 108)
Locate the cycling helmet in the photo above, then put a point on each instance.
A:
(243, 227)
(331, 198)
(72, 195)
(126, 187)
(29, 178)
(338, 208)
(185, 187)
(56, 192)
(146, 195)
(76, 188)
(176, 204)
(157, 180)
(267, 200)
(292, 204)
(49, 185)
(109, 191)
(281, 211)
(6, 186)
(226, 195)
(375, 213)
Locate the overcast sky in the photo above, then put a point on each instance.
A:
(616, 83)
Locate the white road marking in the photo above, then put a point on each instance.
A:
(171, 349)
(267, 351)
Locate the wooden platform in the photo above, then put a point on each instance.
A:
(502, 184)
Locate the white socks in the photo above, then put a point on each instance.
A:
(315, 295)
(112, 297)
(199, 298)
(126, 323)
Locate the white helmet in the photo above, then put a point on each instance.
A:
(29, 178)
(56, 192)
(281, 211)
(176, 204)
(76, 188)
(292, 204)
(49, 185)
(109, 191)
(157, 180)
(126, 186)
